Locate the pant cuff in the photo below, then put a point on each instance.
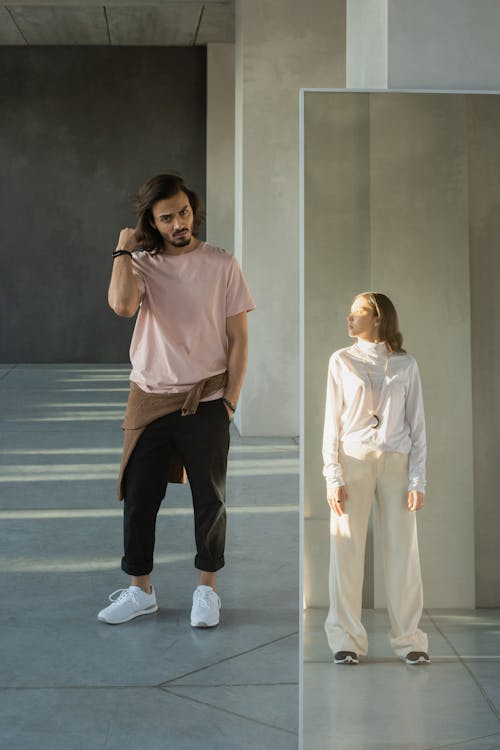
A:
(208, 565)
(135, 570)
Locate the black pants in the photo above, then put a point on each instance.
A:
(202, 441)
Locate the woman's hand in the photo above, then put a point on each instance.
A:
(336, 497)
(416, 500)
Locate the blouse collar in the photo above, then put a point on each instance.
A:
(372, 348)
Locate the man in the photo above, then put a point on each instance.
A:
(188, 354)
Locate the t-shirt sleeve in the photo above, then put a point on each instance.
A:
(238, 296)
(138, 275)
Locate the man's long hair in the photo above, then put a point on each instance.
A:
(385, 311)
(156, 189)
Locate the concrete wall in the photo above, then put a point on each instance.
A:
(280, 47)
(420, 256)
(220, 145)
(483, 117)
(399, 221)
(81, 129)
(337, 266)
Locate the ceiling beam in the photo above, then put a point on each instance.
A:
(113, 3)
(54, 26)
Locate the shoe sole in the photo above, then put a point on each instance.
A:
(149, 611)
(204, 624)
(417, 663)
(349, 660)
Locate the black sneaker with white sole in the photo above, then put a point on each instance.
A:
(417, 657)
(345, 657)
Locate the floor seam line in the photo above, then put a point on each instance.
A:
(469, 671)
(227, 658)
(19, 688)
(157, 686)
(464, 742)
(169, 691)
(236, 684)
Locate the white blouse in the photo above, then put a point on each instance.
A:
(363, 380)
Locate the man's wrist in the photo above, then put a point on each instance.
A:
(229, 404)
(121, 254)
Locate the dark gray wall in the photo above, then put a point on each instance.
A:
(80, 130)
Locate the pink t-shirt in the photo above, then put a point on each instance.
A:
(180, 332)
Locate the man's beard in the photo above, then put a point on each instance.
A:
(180, 241)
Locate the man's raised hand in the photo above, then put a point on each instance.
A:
(127, 239)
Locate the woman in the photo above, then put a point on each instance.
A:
(374, 445)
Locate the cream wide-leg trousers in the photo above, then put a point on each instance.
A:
(370, 473)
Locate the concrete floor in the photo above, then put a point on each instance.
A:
(382, 704)
(69, 682)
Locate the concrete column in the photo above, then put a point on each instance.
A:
(220, 145)
(280, 47)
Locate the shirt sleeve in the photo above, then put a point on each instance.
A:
(332, 470)
(141, 284)
(416, 421)
(238, 295)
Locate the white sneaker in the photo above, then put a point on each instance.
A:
(130, 603)
(206, 606)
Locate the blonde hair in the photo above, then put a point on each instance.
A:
(385, 311)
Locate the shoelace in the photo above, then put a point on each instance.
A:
(122, 595)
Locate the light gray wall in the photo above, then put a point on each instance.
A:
(81, 129)
(410, 238)
(443, 44)
(429, 44)
(366, 44)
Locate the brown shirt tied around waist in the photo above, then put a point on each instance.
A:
(143, 408)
